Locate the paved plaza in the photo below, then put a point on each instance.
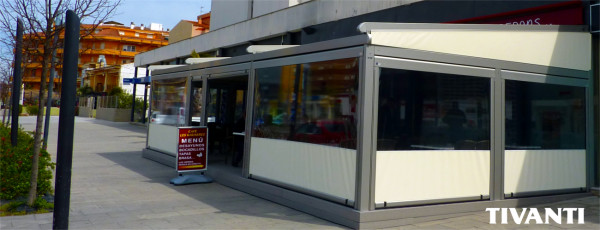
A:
(113, 187)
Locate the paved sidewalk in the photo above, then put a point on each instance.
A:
(113, 187)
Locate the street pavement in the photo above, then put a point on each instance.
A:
(113, 187)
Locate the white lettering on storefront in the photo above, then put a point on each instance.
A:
(536, 21)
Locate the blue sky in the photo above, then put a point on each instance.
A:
(166, 12)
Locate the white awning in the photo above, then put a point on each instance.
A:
(157, 67)
(202, 60)
(253, 49)
(557, 46)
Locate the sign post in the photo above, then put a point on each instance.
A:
(192, 150)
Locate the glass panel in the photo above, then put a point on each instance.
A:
(196, 110)
(240, 106)
(168, 102)
(311, 102)
(212, 105)
(432, 111)
(544, 116)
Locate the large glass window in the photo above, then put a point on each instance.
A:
(168, 102)
(432, 111)
(544, 116)
(311, 102)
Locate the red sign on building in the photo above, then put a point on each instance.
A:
(562, 13)
(192, 149)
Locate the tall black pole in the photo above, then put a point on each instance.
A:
(50, 94)
(134, 88)
(66, 124)
(16, 92)
(145, 95)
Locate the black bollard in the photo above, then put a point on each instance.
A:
(16, 92)
(66, 124)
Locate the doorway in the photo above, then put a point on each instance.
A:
(225, 119)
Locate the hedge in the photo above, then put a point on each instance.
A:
(15, 166)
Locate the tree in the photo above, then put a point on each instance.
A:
(116, 91)
(41, 21)
(194, 54)
(85, 91)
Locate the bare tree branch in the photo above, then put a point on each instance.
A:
(40, 19)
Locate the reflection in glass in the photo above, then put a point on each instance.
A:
(544, 116)
(196, 110)
(311, 102)
(168, 102)
(212, 105)
(432, 111)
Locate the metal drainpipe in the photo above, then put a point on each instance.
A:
(145, 96)
(134, 92)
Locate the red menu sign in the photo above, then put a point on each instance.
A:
(192, 149)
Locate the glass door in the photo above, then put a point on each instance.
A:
(226, 116)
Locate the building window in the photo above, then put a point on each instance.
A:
(121, 33)
(97, 31)
(311, 102)
(93, 46)
(124, 61)
(130, 48)
(168, 101)
(432, 111)
(150, 36)
(544, 116)
(137, 34)
(102, 45)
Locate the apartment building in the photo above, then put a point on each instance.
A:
(186, 28)
(108, 44)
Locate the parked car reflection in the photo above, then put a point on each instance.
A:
(328, 132)
(163, 119)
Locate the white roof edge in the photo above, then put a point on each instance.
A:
(368, 27)
(253, 49)
(202, 60)
(156, 67)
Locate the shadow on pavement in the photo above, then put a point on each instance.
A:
(222, 198)
(141, 129)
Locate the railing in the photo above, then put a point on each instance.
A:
(97, 105)
(110, 102)
(86, 102)
(104, 102)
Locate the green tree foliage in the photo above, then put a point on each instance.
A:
(32, 109)
(194, 54)
(85, 90)
(15, 166)
(116, 91)
(125, 103)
